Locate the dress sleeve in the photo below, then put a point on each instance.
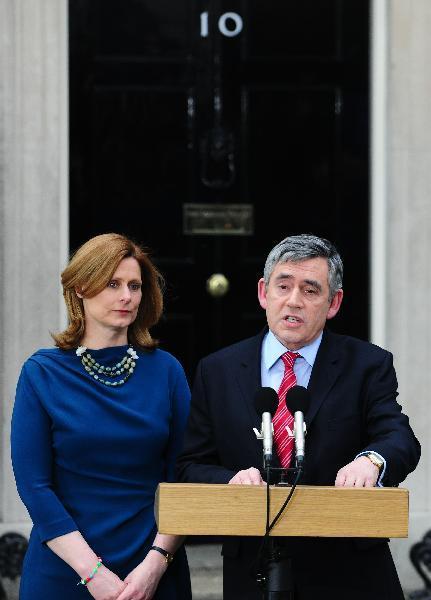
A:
(32, 458)
(180, 406)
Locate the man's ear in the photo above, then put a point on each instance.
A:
(261, 293)
(334, 307)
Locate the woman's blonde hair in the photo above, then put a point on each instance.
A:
(89, 271)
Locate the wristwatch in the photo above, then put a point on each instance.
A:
(169, 557)
(376, 460)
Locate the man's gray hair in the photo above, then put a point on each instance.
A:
(302, 247)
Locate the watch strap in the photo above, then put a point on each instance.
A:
(375, 460)
(169, 557)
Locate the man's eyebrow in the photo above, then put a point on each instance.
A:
(314, 283)
(284, 276)
(311, 282)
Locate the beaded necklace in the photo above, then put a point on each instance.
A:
(104, 374)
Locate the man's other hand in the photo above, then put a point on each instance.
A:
(249, 476)
(359, 473)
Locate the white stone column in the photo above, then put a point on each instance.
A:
(34, 200)
(403, 238)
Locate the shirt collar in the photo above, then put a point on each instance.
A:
(272, 350)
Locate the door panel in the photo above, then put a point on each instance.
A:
(253, 103)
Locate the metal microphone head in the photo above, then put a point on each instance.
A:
(298, 398)
(266, 400)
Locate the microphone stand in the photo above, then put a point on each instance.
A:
(279, 577)
(276, 574)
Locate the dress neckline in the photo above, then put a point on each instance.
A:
(110, 352)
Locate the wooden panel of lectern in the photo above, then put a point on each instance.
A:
(213, 509)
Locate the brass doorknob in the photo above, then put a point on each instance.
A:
(217, 285)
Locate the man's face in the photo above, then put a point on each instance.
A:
(297, 301)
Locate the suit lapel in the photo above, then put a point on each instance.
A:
(249, 377)
(249, 380)
(326, 371)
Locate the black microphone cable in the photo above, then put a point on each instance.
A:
(299, 473)
(258, 566)
(262, 553)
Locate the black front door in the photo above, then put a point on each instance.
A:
(209, 130)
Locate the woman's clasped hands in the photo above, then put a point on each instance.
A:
(140, 584)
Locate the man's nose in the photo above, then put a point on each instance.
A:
(295, 297)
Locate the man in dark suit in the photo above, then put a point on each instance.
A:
(356, 432)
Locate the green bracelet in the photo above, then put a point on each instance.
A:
(92, 574)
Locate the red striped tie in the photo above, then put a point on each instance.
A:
(282, 441)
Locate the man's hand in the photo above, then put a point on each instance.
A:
(359, 473)
(249, 476)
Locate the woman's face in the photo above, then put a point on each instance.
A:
(115, 307)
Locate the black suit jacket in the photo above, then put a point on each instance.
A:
(353, 408)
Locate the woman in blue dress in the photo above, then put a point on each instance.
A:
(97, 425)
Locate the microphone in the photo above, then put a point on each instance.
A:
(298, 402)
(266, 403)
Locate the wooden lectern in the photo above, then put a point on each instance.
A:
(213, 509)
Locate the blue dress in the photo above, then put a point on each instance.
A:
(89, 457)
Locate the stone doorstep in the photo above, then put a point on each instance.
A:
(204, 556)
(205, 564)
